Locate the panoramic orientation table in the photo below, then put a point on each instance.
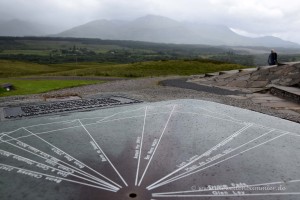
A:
(181, 149)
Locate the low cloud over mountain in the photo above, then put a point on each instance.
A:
(165, 30)
(150, 28)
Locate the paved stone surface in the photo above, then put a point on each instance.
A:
(212, 74)
(148, 89)
(266, 78)
(289, 89)
(182, 149)
(290, 93)
(284, 75)
(182, 83)
(229, 72)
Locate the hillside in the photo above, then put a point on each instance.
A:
(50, 50)
(160, 29)
(140, 69)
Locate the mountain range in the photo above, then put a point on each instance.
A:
(151, 28)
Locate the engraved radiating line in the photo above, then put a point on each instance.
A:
(219, 113)
(256, 125)
(227, 188)
(199, 157)
(69, 121)
(179, 175)
(103, 153)
(60, 122)
(110, 116)
(68, 180)
(277, 130)
(211, 116)
(136, 116)
(72, 120)
(294, 134)
(6, 133)
(54, 169)
(141, 146)
(157, 145)
(70, 166)
(79, 126)
(193, 172)
(77, 161)
(231, 195)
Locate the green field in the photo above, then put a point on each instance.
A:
(26, 52)
(22, 87)
(12, 71)
(141, 69)
(33, 56)
(146, 69)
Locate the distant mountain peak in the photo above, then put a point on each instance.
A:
(154, 17)
(155, 28)
(155, 22)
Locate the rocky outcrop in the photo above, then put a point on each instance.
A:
(284, 75)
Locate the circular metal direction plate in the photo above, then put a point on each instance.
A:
(183, 149)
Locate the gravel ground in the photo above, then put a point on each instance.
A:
(182, 83)
(147, 89)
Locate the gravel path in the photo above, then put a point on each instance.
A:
(182, 83)
(148, 89)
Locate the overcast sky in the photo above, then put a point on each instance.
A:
(279, 18)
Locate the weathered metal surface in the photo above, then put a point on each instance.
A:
(183, 149)
(65, 106)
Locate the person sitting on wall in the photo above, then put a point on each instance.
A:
(272, 58)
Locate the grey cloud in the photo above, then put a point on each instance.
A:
(261, 17)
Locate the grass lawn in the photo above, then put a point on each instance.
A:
(144, 69)
(27, 52)
(23, 87)
(10, 68)
(140, 69)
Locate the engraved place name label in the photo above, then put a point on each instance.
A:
(99, 152)
(223, 190)
(208, 160)
(68, 157)
(150, 152)
(31, 174)
(66, 171)
(187, 161)
(137, 148)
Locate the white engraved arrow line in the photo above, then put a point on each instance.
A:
(157, 144)
(193, 172)
(68, 180)
(231, 195)
(71, 174)
(79, 126)
(70, 166)
(140, 150)
(103, 153)
(199, 157)
(78, 161)
(227, 188)
(220, 114)
(233, 150)
(179, 175)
